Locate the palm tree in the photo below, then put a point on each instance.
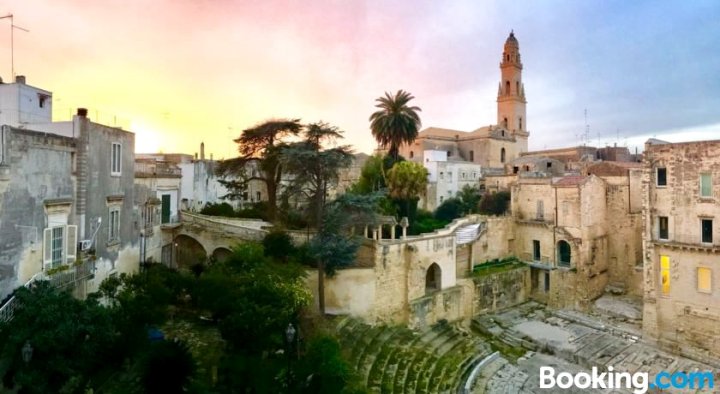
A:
(395, 122)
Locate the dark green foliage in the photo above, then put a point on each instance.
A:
(450, 209)
(470, 198)
(258, 210)
(222, 209)
(328, 372)
(425, 223)
(316, 168)
(72, 341)
(278, 245)
(495, 203)
(167, 367)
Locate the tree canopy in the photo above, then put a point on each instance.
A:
(395, 122)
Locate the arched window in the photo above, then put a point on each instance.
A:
(433, 278)
(505, 123)
(412, 154)
(517, 88)
(507, 87)
(519, 123)
(564, 254)
(507, 57)
(502, 155)
(472, 156)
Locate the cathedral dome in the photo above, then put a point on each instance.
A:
(511, 40)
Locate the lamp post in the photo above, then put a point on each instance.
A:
(290, 337)
(27, 352)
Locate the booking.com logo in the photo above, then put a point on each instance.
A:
(639, 381)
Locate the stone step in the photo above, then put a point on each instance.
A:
(372, 349)
(389, 346)
(362, 344)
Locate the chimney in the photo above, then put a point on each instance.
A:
(202, 151)
(20, 79)
(82, 112)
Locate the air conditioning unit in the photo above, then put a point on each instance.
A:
(85, 245)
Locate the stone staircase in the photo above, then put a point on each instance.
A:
(393, 359)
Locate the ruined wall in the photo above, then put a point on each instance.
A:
(624, 236)
(501, 290)
(496, 242)
(351, 291)
(533, 199)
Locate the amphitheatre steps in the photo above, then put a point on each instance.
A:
(393, 359)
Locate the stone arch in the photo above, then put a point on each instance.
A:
(433, 278)
(189, 251)
(221, 254)
(564, 254)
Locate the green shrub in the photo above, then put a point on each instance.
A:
(495, 203)
(449, 210)
(222, 209)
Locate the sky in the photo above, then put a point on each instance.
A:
(182, 72)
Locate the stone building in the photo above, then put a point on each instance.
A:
(681, 248)
(580, 235)
(66, 194)
(489, 146)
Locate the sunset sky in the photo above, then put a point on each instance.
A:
(178, 72)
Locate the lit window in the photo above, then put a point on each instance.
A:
(705, 185)
(704, 279)
(662, 176)
(115, 162)
(665, 274)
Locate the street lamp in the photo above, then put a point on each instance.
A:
(27, 352)
(290, 337)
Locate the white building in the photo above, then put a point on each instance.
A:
(446, 177)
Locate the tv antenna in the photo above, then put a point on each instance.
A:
(13, 26)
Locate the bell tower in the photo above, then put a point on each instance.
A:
(511, 92)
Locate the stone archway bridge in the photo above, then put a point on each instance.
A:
(217, 235)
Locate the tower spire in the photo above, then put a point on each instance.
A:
(511, 94)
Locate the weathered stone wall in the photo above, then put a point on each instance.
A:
(501, 290)
(351, 291)
(37, 167)
(682, 315)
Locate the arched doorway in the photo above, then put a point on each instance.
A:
(189, 252)
(433, 278)
(220, 254)
(564, 254)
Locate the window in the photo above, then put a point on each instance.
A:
(665, 274)
(505, 123)
(517, 87)
(60, 245)
(546, 285)
(564, 254)
(663, 232)
(507, 87)
(258, 195)
(42, 100)
(114, 224)
(704, 280)
(474, 175)
(449, 176)
(412, 154)
(463, 175)
(662, 176)
(115, 163)
(516, 169)
(442, 175)
(472, 156)
(441, 198)
(149, 215)
(540, 214)
(449, 153)
(520, 123)
(705, 185)
(536, 250)
(706, 226)
(502, 155)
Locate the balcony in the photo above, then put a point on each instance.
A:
(70, 274)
